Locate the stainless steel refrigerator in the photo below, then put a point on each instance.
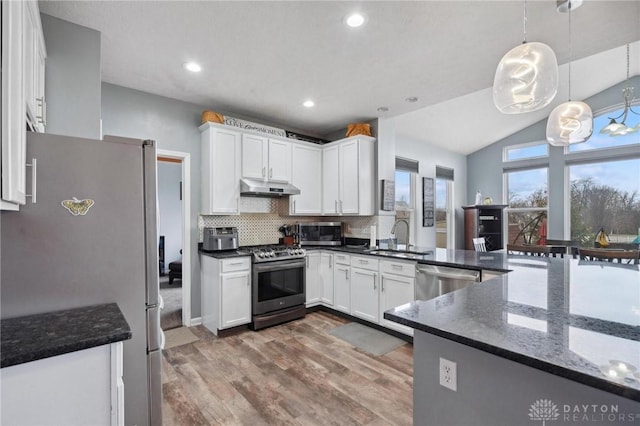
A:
(63, 252)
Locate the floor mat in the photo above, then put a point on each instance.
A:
(367, 338)
(178, 337)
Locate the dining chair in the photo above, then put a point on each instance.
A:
(626, 256)
(479, 244)
(529, 250)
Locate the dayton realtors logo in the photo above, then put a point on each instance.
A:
(544, 409)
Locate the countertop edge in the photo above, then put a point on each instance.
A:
(538, 364)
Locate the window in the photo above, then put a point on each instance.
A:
(527, 199)
(605, 195)
(600, 141)
(526, 151)
(444, 207)
(404, 190)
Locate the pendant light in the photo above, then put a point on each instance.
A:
(526, 78)
(620, 129)
(570, 122)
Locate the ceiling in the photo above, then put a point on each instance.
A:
(263, 59)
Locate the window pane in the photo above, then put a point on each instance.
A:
(605, 195)
(531, 151)
(403, 189)
(527, 188)
(599, 140)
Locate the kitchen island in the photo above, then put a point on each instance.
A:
(543, 342)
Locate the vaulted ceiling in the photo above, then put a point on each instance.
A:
(263, 59)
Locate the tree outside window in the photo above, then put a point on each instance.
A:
(527, 199)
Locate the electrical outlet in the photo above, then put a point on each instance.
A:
(448, 374)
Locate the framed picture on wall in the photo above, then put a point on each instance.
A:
(428, 202)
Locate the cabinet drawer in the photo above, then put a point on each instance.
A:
(406, 269)
(342, 259)
(368, 262)
(235, 264)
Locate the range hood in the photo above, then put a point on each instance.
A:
(260, 188)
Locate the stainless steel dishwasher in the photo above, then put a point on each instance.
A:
(434, 280)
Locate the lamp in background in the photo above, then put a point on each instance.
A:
(620, 129)
(570, 122)
(526, 78)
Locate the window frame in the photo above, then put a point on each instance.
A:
(507, 148)
(505, 197)
(412, 192)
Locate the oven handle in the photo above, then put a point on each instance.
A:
(279, 265)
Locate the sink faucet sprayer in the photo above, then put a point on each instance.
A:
(393, 231)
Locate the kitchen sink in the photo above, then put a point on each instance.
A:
(401, 253)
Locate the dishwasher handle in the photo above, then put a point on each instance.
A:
(467, 275)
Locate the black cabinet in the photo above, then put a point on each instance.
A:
(161, 255)
(484, 221)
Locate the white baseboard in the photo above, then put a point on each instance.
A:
(195, 321)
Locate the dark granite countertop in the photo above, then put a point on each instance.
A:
(224, 254)
(39, 336)
(563, 316)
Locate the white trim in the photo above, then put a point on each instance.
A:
(196, 321)
(186, 230)
(567, 202)
(506, 149)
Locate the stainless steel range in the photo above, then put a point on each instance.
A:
(278, 284)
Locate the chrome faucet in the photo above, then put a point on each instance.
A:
(393, 231)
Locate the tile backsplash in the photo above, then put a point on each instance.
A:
(260, 219)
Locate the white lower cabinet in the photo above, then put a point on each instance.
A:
(226, 292)
(397, 287)
(365, 293)
(319, 279)
(360, 285)
(342, 283)
(77, 388)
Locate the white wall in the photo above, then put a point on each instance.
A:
(170, 206)
(429, 156)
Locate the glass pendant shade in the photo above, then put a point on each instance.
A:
(526, 79)
(570, 122)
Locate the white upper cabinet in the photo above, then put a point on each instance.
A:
(220, 169)
(34, 54)
(306, 175)
(23, 56)
(13, 106)
(266, 159)
(348, 177)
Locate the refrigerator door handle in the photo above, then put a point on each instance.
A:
(151, 223)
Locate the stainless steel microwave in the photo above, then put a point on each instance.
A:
(320, 233)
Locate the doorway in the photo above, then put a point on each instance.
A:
(174, 202)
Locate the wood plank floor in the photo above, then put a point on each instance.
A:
(291, 374)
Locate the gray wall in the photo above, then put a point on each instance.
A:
(72, 78)
(484, 167)
(429, 156)
(174, 126)
(493, 390)
(170, 207)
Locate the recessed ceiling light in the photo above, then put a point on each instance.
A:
(308, 103)
(354, 20)
(412, 99)
(383, 109)
(192, 66)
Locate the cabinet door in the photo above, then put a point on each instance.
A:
(364, 294)
(312, 290)
(279, 169)
(306, 175)
(29, 59)
(395, 290)
(13, 106)
(221, 152)
(349, 184)
(235, 299)
(41, 105)
(342, 288)
(254, 156)
(330, 180)
(325, 272)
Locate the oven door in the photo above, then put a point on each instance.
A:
(278, 285)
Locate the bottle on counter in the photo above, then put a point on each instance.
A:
(478, 198)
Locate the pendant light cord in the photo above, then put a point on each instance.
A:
(524, 23)
(570, 50)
